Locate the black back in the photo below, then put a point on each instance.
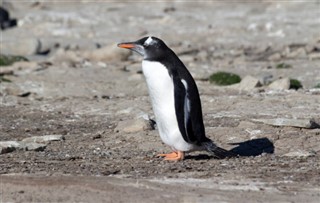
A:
(190, 121)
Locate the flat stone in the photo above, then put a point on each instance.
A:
(8, 146)
(299, 123)
(43, 139)
(32, 146)
(281, 84)
(299, 153)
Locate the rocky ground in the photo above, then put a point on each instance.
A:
(76, 122)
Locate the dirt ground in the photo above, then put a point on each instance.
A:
(94, 101)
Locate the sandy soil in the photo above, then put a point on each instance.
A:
(94, 102)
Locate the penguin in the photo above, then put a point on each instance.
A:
(5, 21)
(175, 100)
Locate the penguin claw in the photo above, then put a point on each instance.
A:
(174, 156)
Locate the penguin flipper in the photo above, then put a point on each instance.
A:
(216, 151)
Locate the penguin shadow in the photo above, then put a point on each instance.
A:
(248, 148)
(254, 147)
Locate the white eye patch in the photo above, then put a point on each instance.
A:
(149, 41)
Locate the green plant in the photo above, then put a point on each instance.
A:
(6, 60)
(283, 66)
(295, 84)
(224, 78)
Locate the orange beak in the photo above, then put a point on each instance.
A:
(126, 45)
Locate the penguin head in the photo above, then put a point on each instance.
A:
(151, 48)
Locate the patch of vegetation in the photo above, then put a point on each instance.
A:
(295, 84)
(224, 78)
(3, 79)
(283, 66)
(317, 85)
(6, 60)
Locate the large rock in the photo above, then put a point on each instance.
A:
(23, 46)
(281, 84)
(32, 146)
(249, 83)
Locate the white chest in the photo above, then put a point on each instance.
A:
(161, 91)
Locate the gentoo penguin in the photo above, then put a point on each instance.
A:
(175, 100)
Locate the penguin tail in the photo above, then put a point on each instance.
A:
(216, 151)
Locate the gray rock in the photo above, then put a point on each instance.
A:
(8, 146)
(43, 139)
(314, 56)
(298, 53)
(62, 55)
(281, 84)
(266, 79)
(299, 153)
(275, 57)
(32, 146)
(20, 46)
(299, 123)
(133, 126)
(135, 77)
(249, 83)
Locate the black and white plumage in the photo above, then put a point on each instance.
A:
(175, 99)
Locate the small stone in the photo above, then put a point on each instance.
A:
(108, 53)
(299, 123)
(62, 55)
(135, 77)
(275, 57)
(249, 83)
(281, 84)
(44, 139)
(8, 146)
(134, 68)
(314, 56)
(298, 53)
(299, 153)
(266, 79)
(133, 126)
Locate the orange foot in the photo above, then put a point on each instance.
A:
(174, 156)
